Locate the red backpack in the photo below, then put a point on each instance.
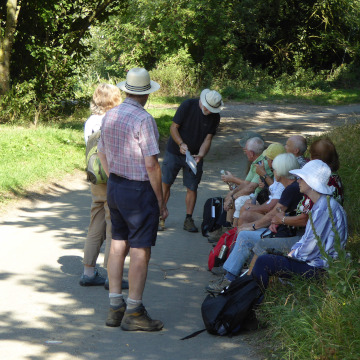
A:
(227, 239)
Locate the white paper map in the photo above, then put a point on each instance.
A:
(191, 162)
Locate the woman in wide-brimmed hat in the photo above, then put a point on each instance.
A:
(305, 257)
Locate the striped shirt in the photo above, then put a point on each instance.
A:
(128, 134)
(306, 248)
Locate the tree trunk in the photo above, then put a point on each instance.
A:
(6, 42)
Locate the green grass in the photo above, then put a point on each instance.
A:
(32, 155)
(318, 320)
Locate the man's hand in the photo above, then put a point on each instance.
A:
(260, 169)
(183, 148)
(228, 203)
(164, 213)
(273, 228)
(197, 158)
(228, 177)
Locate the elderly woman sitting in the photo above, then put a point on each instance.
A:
(305, 257)
(250, 233)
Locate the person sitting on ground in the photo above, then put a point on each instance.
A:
(275, 188)
(250, 233)
(297, 145)
(305, 257)
(324, 149)
(105, 97)
(254, 152)
(227, 176)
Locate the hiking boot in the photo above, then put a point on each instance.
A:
(139, 320)
(189, 225)
(218, 270)
(124, 284)
(96, 280)
(161, 226)
(218, 286)
(115, 316)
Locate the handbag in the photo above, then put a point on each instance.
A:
(282, 231)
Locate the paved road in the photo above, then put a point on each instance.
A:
(45, 314)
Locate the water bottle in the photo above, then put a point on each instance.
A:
(231, 185)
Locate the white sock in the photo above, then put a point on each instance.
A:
(132, 304)
(89, 271)
(116, 299)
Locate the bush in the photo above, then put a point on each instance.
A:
(177, 75)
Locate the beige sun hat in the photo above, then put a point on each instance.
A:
(138, 82)
(212, 100)
(316, 174)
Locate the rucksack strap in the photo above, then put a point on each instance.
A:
(196, 333)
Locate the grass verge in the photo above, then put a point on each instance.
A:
(317, 320)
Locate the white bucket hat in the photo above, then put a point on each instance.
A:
(212, 100)
(138, 82)
(316, 174)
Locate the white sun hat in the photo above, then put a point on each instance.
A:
(138, 82)
(316, 174)
(212, 100)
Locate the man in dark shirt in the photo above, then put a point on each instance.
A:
(194, 125)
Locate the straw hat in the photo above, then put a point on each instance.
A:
(316, 174)
(138, 82)
(212, 100)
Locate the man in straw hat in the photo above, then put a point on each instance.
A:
(128, 150)
(194, 125)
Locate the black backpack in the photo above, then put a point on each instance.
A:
(233, 309)
(214, 215)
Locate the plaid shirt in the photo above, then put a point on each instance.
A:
(128, 134)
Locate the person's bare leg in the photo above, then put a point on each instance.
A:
(118, 251)
(139, 260)
(190, 201)
(166, 192)
(248, 217)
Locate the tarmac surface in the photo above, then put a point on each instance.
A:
(45, 314)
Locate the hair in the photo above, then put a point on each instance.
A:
(106, 96)
(283, 163)
(256, 145)
(299, 142)
(324, 149)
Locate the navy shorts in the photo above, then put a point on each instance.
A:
(171, 167)
(134, 211)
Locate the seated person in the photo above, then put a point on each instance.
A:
(250, 233)
(254, 152)
(324, 149)
(297, 145)
(275, 187)
(305, 257)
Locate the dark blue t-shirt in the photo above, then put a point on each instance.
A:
(194, 126)
(291, 197)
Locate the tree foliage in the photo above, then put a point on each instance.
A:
(277, 35)
(47, 47)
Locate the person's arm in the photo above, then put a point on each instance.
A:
(154, 172)
(204, 148)
(174, 132)
(246, 189)
(263, 208)
(229, 177)
(265, 221)
(104, 163)
(298, 220)
(260, 170)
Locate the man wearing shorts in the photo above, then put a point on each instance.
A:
(128, 150)
(194, 125)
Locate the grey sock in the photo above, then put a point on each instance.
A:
(132, 304)
(116, 300)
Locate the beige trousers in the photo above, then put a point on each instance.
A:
(99, 228)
